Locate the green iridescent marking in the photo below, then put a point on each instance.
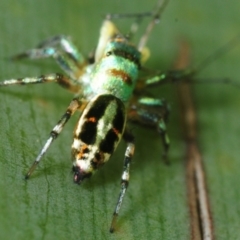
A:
(104, 81)
(105, 123)
(156, 79)
(151, 101)
(162, 125)
(167, 140)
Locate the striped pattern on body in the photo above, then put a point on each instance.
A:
(117, 71)
(97, 134)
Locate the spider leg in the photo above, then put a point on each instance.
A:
(156, 15)
(188, 75)
(62, 49)
(73, 106)
(62, 80)
(151, 112)
(107, 32)
(138, 17)
(172, 76)
(128, 137)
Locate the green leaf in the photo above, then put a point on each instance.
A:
(49, 205)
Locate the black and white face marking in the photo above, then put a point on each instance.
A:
(97, 134)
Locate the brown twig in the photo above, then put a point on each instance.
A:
(200, 214)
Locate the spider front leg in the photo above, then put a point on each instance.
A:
(73, 106)
(151, 112)
(62, 49)
(128, 137)
(62, 80)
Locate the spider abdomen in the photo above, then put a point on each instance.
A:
(97, 134)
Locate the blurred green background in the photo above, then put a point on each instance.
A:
(50, 206)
